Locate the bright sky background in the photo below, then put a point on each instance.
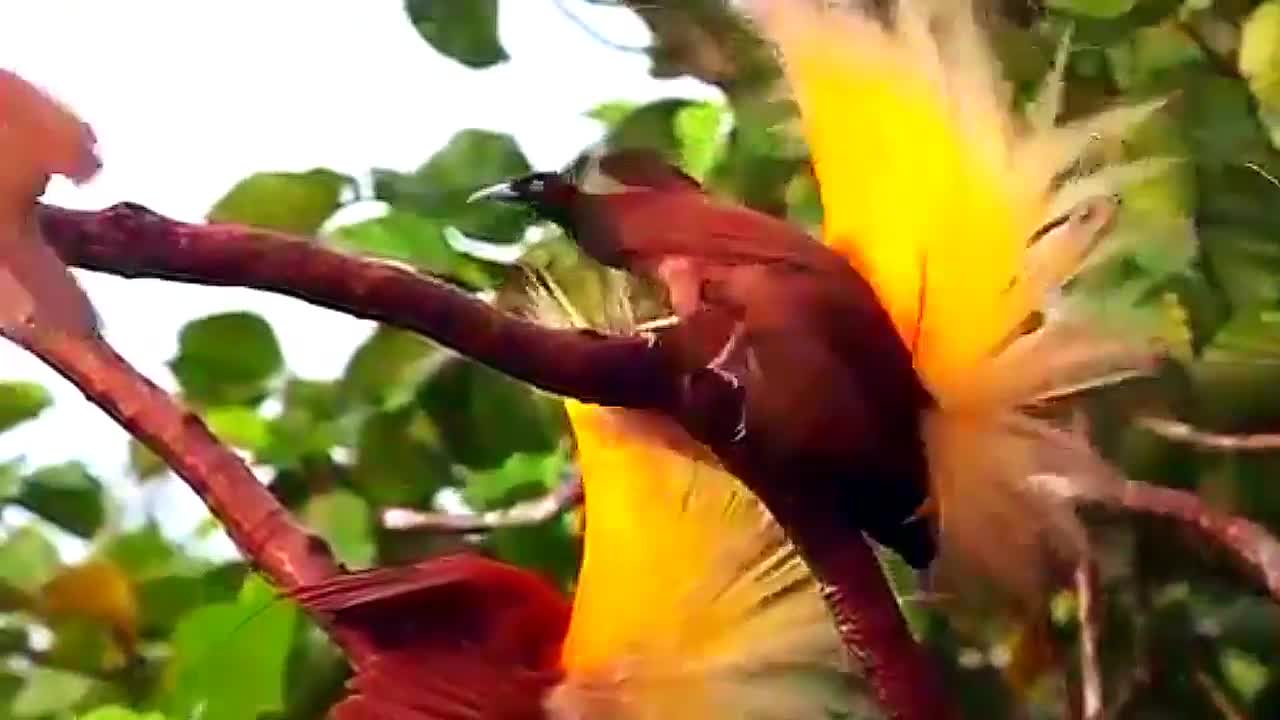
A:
(186, 98)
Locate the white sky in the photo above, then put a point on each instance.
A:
(186, 98)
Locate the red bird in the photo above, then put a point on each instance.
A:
(830, 402)
(930, 323)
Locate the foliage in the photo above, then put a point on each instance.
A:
(166, 633)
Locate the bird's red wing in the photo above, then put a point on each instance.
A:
(653, 224)
(445, 685)
(453, 638)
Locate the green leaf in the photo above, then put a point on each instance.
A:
(296, 203)
(613, 112)
(439, 190)
(21, 401)
(11, 479)
(1245, 673)
(49, 691)
(119, 712)
(230, 658)
(27, 560)
(309, 425)
(65, 495)
(419, 241)
(1259, 63)
(1245, 262)
(701, 129)
(385, 371)
(238, 425)
(483, 416)
(144, 552)
(550, 547)
(397, 459)
(165, 600)
(464, 31)
(1259, 59)
(1093, 8)
(522, 473)
(227, 359)
(651, 126)
(144, 464)
(1217, 116)
(343, 519)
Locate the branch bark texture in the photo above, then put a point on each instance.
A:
(1249, 542)
(132, 241)
(255, 520)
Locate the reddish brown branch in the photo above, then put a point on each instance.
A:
(1248, 541)
(132, 241)
(256, 522)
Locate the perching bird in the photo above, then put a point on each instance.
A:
(899, 360)
(690, 604)
(831, 404)
(38, 138)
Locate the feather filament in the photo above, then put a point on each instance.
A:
(921, 162)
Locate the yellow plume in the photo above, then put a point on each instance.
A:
(935, 191)
(690, 602)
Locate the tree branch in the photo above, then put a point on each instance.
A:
(1089, 611)
(521, 514)
(634, 372)
(255, 520)
(132, 241)
(1248, 541)
(1181, 432)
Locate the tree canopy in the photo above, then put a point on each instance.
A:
(146, 630)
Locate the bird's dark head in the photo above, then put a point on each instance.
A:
(549, 194)
(582, 198)
(555, 195)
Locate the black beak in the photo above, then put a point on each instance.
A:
(501, 192)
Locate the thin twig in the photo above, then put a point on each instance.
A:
(1086, 581)
(521, 514)
(1218, 696)
(132, 241)
(1248, 541)
(593, 33)
(1181, 432)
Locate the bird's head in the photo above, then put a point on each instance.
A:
(552, 195)
(567, 197)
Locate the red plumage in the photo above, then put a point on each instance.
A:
(459, 637)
